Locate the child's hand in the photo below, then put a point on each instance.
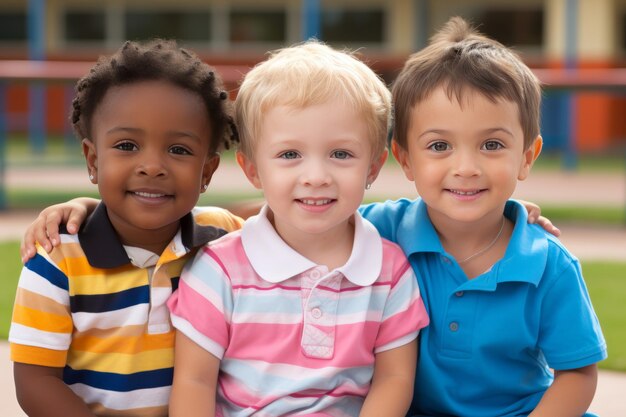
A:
(45, 228)
(534, 216)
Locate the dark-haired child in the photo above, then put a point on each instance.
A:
(506, 300)
(91, 333)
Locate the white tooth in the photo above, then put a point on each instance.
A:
(149, 195)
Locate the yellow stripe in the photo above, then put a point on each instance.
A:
(126, 345)
(38, 356)
(41, 320)
(100, 283)
(121, 363)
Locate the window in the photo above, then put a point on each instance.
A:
(257, 26)
(513, 27)
(362, 26)
(13, 26)
(186, 26)
(85, 26)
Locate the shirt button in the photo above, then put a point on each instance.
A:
(445, 260)
(459, 293)
(315, 274)
(454, 326)
(316, 313)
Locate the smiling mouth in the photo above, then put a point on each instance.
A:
(464, 193)
(149, 195)
(309, 202)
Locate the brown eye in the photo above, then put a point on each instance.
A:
(492, 145)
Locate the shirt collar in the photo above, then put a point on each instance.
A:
(525, 257)
(103, 248)
(275, 261)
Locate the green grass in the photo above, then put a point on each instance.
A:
(606, 282)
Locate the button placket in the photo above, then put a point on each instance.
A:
(320, 318)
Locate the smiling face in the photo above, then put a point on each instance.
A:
(465, 158)
(149, 155)
(313, 164)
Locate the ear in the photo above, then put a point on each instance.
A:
(208, 170)
(376, 166)
(530, 155)
(249, 168)
(91, 157)
(402, 156)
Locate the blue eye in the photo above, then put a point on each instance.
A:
(289, 155)
(492, 145)
(341, 154)
(439, 146)
(126, 146)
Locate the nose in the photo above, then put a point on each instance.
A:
(315, 174)
(467, 164)
(151, 164)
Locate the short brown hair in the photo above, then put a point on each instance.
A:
(460, 58)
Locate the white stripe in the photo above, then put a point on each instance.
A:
(149, 397)
(37, 284)
(398, 342)
(207, 344)
(129, 316)
(30, 336)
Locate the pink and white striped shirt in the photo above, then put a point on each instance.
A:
(293, 337)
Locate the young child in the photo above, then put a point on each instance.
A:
(91, 334)
(507, 301)
(306, 310)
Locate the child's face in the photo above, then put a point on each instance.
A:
(313, 164)
(149, 155)
(465, 159)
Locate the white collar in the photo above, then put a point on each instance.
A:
(275, 261)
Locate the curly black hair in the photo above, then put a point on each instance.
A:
(158, 59)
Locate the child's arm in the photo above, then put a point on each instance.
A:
(392, 384)
(45, 228)
(570, 394)
(195, 380)
(41, 392)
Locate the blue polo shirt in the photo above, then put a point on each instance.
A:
(492, 339)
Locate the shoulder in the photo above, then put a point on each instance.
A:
(389, 208)
(218, 217)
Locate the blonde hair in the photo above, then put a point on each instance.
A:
(308, 74)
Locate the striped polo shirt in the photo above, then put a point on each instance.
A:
(293, 337)
(87, 308)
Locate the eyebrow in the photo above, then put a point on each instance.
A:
(135, 130)
(486, 131)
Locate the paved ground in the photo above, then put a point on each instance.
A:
(589, 243)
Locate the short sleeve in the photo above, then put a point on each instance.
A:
(41, 326)
(404, 313)
(201, 307)
(570, 334)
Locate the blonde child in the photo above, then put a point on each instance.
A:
(306, 311)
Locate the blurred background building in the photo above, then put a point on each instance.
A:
(547, 34)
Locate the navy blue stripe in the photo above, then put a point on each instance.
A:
(175, 283)
(40, 265)
(119, 382)
(100, 303)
